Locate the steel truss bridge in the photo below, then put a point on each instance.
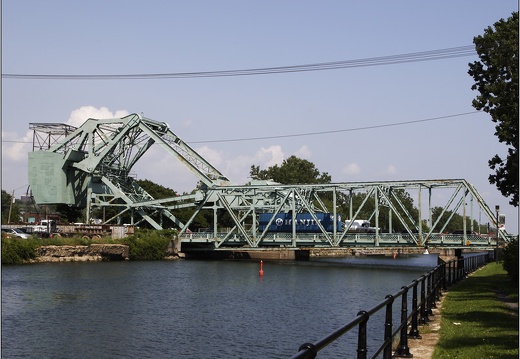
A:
(89, 167)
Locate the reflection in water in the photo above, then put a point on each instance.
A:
(193, 309)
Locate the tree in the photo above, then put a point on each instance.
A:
(9, 205)
(496, 78)
(293, 170)
(385, 221)
(157, 191)
(510, 257)
(70, 214)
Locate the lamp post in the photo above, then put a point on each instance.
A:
(497, 208)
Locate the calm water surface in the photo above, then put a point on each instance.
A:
(193, 309)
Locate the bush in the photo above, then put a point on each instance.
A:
(510, 260)
(144, 245)
(18, 251)
(148, 244)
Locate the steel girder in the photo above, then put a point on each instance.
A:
(90, 165)
(244, 203)
(93, 163)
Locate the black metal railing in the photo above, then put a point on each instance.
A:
(426, 291)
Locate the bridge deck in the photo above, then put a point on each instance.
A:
(349, 240)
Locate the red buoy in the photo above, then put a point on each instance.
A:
(261, 272)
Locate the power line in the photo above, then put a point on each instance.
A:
(337, 131)
(317, 133)
(447, 53)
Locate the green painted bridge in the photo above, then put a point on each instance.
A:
(90, 167)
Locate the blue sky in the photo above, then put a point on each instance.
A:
(142, 37)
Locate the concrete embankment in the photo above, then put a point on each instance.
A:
(90, 253)
(308, 253)
(117, 252)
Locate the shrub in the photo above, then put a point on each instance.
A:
(510, 260)
(148, 244)
(18, 251)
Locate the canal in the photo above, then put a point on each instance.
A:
(193, 309)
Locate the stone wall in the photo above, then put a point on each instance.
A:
(91, 253)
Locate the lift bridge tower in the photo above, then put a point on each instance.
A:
(89, 167)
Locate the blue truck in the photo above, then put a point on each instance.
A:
(305, 223)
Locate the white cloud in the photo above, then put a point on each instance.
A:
(15, 148)
(303, 152)
(351, 169)
(79, 116)
(214, 157)
(268, 157)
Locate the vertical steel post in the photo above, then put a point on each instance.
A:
(403, 350)
(429, 294)
(419, 220)
(387, 352)
(433, 290)
(414, 331)
(497, 209)
(362, 336)
(424, 307)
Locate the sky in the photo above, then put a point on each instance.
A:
(391, 122)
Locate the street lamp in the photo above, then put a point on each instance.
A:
(497, 208)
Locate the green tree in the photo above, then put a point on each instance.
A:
(155, 190)
(293, 170)
(386, 221)
(8, 205)
(456, 222)
(496, 79)
(70, 214)
(510, 260)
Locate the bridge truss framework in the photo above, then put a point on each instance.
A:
(90, 166)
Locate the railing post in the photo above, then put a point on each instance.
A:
(452, 270)
(433, 298)
(403, 350)
(362, 336)
(438, 283)
(429, 294)
(311, 350)
(424, 307)
(387, 352)
(414, 331)
(444, 283)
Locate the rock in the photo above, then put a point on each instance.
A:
(94, 252)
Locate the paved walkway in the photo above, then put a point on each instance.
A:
(423, 348)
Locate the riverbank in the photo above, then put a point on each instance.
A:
(475, 318)
(479, 317)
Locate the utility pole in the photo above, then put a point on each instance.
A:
(10, 208)
(497, 209)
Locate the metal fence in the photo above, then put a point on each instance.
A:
(425, 292)
(349, 240)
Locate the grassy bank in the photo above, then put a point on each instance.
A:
(143, 245)
(476, 321)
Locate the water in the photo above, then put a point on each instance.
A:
(191, 309)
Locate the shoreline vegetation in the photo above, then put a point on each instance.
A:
(143, 245)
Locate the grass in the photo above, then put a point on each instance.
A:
(475, 322)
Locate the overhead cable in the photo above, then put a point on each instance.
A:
(336, 131)
(448, 53)
(316, 133)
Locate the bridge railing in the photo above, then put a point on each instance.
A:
(425, 292)
(350, 239)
